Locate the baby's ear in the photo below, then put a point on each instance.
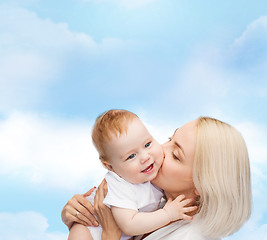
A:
(106, 164)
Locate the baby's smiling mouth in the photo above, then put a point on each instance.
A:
(149, 168)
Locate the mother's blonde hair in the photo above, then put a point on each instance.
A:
(222, 178)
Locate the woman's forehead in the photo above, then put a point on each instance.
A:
(186, 133)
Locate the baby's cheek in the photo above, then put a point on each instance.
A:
(161, 155)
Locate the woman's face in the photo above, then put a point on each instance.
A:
(175, 175)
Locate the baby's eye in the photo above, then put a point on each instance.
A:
(147, 144)
(131, 156)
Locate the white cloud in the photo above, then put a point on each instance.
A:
(57, 153)
(53, 152)
(36, 52)
(250, 49)
(248, 232)
(29, 32)
(27, 226)
(256, 139)
(47, 151)
(222, 75)
(204, 76)
(125, 3)
(202, 84)
(255, 32)
(43, 149)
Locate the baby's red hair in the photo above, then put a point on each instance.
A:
(110, 124)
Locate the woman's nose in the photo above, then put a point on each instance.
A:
(165, 149)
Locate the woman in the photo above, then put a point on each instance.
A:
(205, 159)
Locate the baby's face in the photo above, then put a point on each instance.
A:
(135, 156)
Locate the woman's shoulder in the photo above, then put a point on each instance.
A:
(195, 233)
(186, 230)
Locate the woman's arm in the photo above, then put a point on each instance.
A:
(111, 230)
(79, 209)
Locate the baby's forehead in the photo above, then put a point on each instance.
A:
(133, 136)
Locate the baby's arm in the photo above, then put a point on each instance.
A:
(134, 223)
(79, 232)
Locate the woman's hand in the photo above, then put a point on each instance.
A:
(111, 231)
(79, 209)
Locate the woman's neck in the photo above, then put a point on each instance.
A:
(174, 195)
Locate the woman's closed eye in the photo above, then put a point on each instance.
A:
(175, 156)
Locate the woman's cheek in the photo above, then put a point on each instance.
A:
(167, 170)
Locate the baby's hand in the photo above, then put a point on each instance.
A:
(176, 208)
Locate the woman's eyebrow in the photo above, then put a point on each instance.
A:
(176, 130)
(179, 146)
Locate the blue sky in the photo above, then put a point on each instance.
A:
(64, 62)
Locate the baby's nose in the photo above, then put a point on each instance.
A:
(145, 157)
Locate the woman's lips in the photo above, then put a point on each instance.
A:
(149, 169)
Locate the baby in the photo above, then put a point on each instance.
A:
(133, 158)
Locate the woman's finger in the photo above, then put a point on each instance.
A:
(109, 226)
(74, 219)
(86, 211)
(84, 208)
(96, 200)
(89, 192)
(73, 215)
(77, 216)
(105, 188)
(86, 204)
(101, 192)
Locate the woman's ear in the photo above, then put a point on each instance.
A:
(107, 165)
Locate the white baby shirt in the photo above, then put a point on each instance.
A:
(143, 197)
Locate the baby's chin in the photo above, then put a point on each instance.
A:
(154, 177)
(154, 180)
